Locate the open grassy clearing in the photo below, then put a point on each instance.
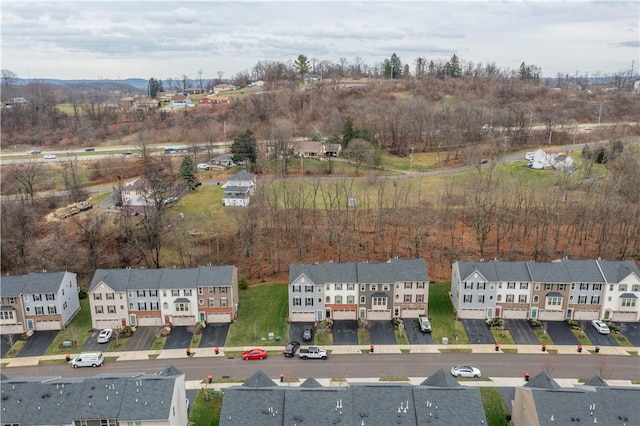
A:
(261, 310)
(442, 317)
(206, 409)
(78, 330)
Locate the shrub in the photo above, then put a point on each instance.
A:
(243, 284)
(495, 322)
(535, 323)
(396, 322)
(82, 293)
(573, 323)
(126, 331)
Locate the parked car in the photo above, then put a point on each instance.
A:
(203, 166)
(291, 348)
(465, 371)
(307, 333)
(254, 354)
(33, 151)
(88, 359)
(105, 335)
(313, 352)
(49, 156)
(601, 327)
(127, 153)
(90, 149)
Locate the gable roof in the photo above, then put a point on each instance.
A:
(441, 379)
(395, 270)
(241, 175)
(34, 282)
(615, 271)
(259, 380)
(596, 381)
(543, 381)
(310, 383)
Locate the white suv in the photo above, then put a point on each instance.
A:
(203, 166)
(600, 326)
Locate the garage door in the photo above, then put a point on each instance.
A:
(412, 313)
(219, 317)
(551, 315)
(183, 321)
(379, 315)
(472, 314)
(106, 323)
(514, 313)
(149, 321)
(624, 316)
(302, 317)
(585, 315)
(343, 315)
(12, 329)
(47, 325)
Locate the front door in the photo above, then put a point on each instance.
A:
(497, 312)
(132, 321)
(569, 313)
(534, 313)
(30, 324)
(489, 313)
(363, 313)
(318, 315)
(328, 314)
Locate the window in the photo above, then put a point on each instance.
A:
(38, 297)
(582, 299)
(98, 309)
(611, 287)
(635, 288)
(537, 286)
(212, 290)
(12, 300)
(481, 298)
(25, 297)
(223, 290)
(584, 286)
(408, 285)
(200, 290)
(499, 298)
(188, 291)
(595, 300)
(522, 298)
(628, 303)
(483, 286)
(6, 315)
(297, 301)
(468, 285)
(134, 423)
(223, 302)
(385, 287)
(468, 298)
(175, 293)
(308, 301)
(561, 287)
(351, 287)
(363, 287)
(554, 301)
(50, 296)
(182, 307)
(39, 310)
(212, 302)
(97, 296)
(373, 287)
(363, 300)
(536, 299)
(548, 286)
(621, 287)
(379, 301)
(511, 286)
(419, 298)
(524, 286)
(142, 306)
(407, 298)
(598, 287)
(140, 293)
(327, 299)
(338, 299)
(308, 289)
(110, 296)
(64, 305)
(510, 298)
(338, 287)
(351, 299)
(131, 294)
(165, 305)
(111, 309)
(296, 289)
(109, 422)
(153, 293)
(131, 306)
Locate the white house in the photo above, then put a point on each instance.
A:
(181, 102)
(238, 189)
(541, 160)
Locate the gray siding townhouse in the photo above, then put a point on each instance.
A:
(103, 400)
(374, 291)
(38, 301)
(439, 399)
(548, 291)
(155, 297)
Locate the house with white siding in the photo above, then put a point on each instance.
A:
(238, 189)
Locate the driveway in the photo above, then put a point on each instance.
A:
(345, 332)
(631, 332)
(478, 332)
(214, 335)
(381, 333)
(92, 344)
(597, 338)
(6, 341)
(560, 333)
(414, 334)
(143, 338)
(295, 331)
(38, 343)
(178, 338)
(521, 332)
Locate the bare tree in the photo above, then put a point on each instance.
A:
(27, 176)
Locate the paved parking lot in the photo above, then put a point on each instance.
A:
(295, 331)
(478, 332)
(179, 338)
(631, 331)
(38, 343)
(381, 333)
(345, 332)
(597, 338)
(521, 332)
(143, 338)
(6, 343)
(414, 334)
(560, 333)
(214, 334)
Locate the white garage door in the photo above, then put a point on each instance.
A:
(412, 313)
(219, 317)
(585, 315)
(625, 316)
(472, 314)
(514, 313)
(379, 315)
(344, 315)
(47, 325)
(183, 321)
(149, 321)
(12, 329)
(550, 315)
(106, 323)
(302, 317)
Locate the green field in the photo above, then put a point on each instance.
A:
(443, 320)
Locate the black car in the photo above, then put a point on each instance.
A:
(291, 348)
(307, 333)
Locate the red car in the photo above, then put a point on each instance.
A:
(254, 354)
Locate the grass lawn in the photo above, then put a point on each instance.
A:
(622, 341)
(543, 336)
(256, 319)
(503, 337)
(443, 320)
(401, 337)
(78, 330)
(158, 343)
(324, 339)
(494, 407)
(364, 338)
(117, 345)
(15, 348)
(206, 409)
(195, 341)
(581, 336)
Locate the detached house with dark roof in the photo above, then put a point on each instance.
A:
(112, 399)
(374, 291)
(38, 301)
(238, 189)
(547, 291)
(155, 297)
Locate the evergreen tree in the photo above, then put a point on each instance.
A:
(454, 68)
(188, 173)
(154, 87)
(302, 66)
(396, 66)
(245, 148)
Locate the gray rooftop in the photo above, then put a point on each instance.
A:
(395, 270)
(543, 381)
(241, 175)
(441, 379)
(34, 282)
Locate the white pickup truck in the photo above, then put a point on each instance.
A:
(313, 352)
(425, 324)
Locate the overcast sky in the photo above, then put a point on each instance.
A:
(117, 39)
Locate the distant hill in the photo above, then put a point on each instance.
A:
(137, 83)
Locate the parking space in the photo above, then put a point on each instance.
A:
(92, 343)
(381, 333)
(521, 332)
(38, 343)
(560, 332)
(597, 338)
(6, 341)
(142, 338)
(631, 331)
(414, 334)
(179, 337)
(345, 332)
(214, 334)
(478, 332)
(295, 330)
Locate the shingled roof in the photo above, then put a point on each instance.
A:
(395, 270)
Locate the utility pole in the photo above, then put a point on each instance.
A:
(411, 160)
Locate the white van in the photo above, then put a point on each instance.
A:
(88, 359)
